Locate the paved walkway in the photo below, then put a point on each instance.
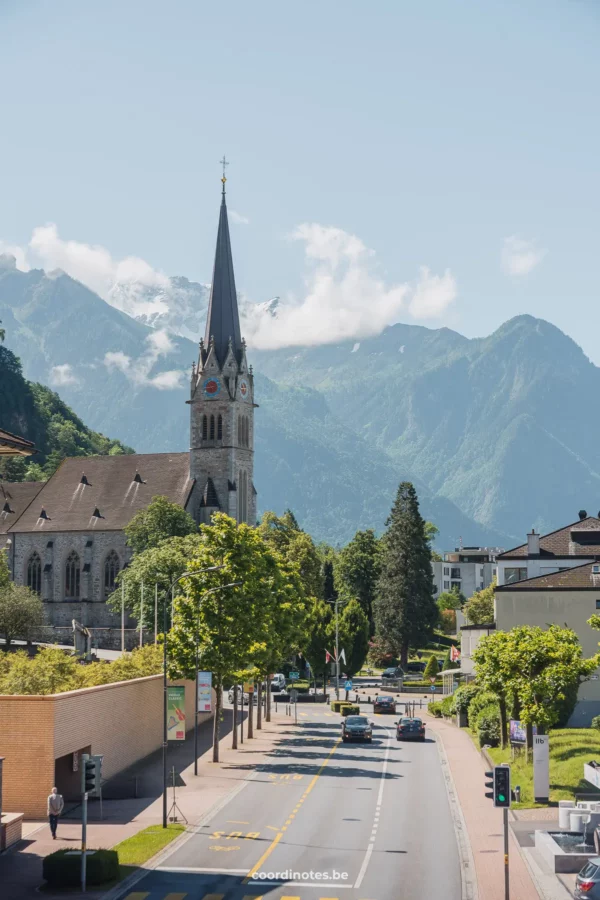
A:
(21, 866)
(483, 821)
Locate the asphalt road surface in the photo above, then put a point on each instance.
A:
(322, 820)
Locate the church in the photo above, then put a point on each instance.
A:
(65, 537)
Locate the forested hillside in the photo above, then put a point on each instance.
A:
(35, 412)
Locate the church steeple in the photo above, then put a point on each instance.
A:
(223, 320)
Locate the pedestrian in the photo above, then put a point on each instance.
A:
(56, 804)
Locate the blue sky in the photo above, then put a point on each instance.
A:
(434, 132)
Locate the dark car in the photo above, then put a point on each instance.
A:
(384, 705)
(356, 728)
(410, 730)
(588, 881)
(393, 674)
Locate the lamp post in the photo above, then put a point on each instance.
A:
(337, 648)
(214, 590)
(165, 735)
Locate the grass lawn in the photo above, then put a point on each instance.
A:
(136, 850)
(569, 749)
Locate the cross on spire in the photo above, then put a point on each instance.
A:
(224, 163)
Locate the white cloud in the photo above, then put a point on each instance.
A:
(19, 254)
(520, 256)
(237, 218)
(345, 298)
(63, 375)
(139, 370)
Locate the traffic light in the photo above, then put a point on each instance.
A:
(499, 782)
(91, 772)
(502, 786)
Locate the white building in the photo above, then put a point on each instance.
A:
(469, 569)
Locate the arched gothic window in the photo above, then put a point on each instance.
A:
(220, 428)
(111, 570)
(212, 428)
(73, 577)
(243, 496)
(204, 428)
(247, 430)
(34, 573)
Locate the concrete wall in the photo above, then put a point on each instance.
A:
(570, 608)
(538, 566)
(121, 721)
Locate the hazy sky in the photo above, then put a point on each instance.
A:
(458, 142)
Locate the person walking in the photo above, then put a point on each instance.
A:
(56, 804)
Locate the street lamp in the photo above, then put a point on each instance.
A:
(220, 587)
(165, 734)
(337, 648)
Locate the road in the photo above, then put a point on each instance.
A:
(322, 819)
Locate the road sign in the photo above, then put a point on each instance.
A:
(294, 696)
(348, 685)
(294, 676)
(432, 679)
(433, 689)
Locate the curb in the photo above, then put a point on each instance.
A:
(468, 877)
(547, 885)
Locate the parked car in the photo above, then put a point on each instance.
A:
(587, 883)
(384, 704)
(239, 697)
(410, 730)
(392, 674)
(278, 683)
(357, 728)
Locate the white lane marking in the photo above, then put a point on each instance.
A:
(369, 851)
(315, 884)
(193, 869)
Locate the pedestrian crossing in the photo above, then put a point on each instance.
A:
(144, 895)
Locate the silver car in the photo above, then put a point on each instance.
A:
(239, 697)
(587, 885)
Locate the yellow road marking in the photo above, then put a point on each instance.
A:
(206, 896)
(256, 868)
(252, 897)
(177, 896)
(272, 828)
(285, 897)
(236, 822)
(138, 895)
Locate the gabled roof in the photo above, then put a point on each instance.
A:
(13, 445)
(15, 497)
(560, 543)
(577, 578)
(83, 486)
(223, 321)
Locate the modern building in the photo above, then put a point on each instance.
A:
(468, 569)
(573, 545)
(66, 537)
(568, 596)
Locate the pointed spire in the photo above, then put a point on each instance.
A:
(223, 317)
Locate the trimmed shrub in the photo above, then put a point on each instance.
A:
(596, 722)
(60, 870)
(464, 695)
(447, 706)
(336, 705)
(435, 709)
(487, 725)
(350, 709)
(479, 702)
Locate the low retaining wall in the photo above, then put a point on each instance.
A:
(102, 638)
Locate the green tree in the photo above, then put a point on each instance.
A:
(404, 610)
(495, 672)
(20, 610)
(234, 625)
(479, 609)
(432, 668)
(453, 599)
(320, 638)
(448, 663)
(160, 520)
(354, 636)
(432, 532)
(357, 571)
(284, 535)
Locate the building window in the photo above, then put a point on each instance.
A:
(446, 570)
(513, 575)
(597, 604)
(204, 428)
(455, 584)
(34, 573)
(212, 428)
(220, 428)
(111, 570)
(446, 585)
(455, 573)
(73, 577)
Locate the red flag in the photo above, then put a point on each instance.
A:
(454, 654)
(327, 656)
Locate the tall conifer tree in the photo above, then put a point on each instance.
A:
(405, 611)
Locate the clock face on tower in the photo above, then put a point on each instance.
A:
(244, 389)
(211, 388)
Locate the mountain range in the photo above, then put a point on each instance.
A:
(497, 433)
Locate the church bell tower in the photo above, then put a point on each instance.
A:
(222, 399)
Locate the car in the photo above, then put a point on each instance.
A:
(384, 704)
(357, 728)
(278, 683)
(394, 673)
(410, 730)
(587, 883)
(239, 697)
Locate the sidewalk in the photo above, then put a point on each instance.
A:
(21, 866)
(483, 821)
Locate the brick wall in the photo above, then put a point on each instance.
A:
(121, 721)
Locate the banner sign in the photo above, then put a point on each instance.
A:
(204, 691)
(176, 713)
(518, 732)
(541, 768)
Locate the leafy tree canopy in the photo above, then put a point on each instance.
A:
(357, 571)
(160, 520)
(284, 535)
(479, 609)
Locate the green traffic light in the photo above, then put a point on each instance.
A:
(501, 798)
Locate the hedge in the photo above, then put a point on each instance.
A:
(435, 709)
(479, 702)
(447, 706)
(350, 709)
(62, 870)
(464, 695)
(336, 705)
(596, 722)
(487, 725)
